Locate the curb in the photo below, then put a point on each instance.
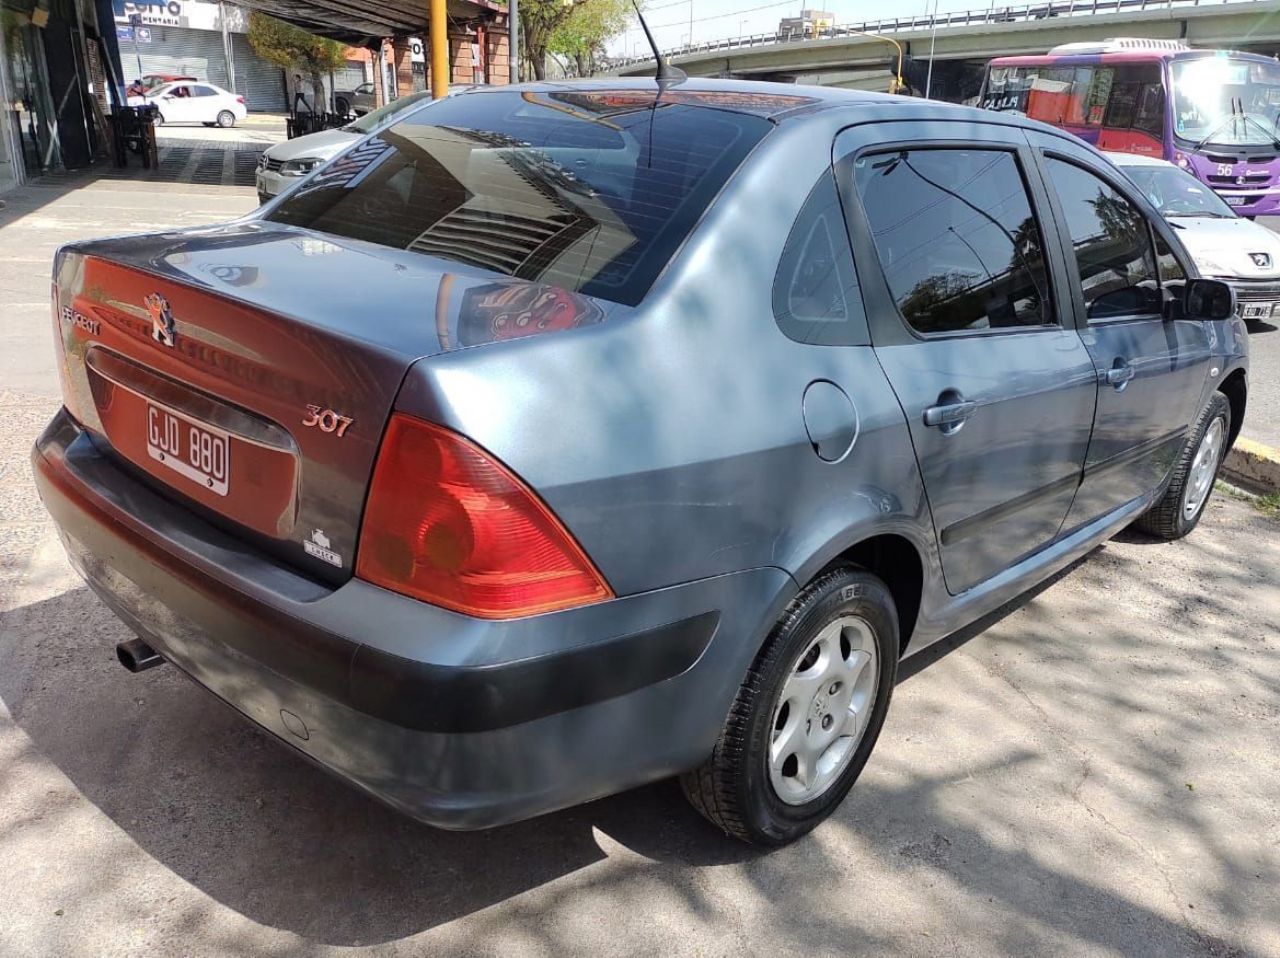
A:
(1254, 465)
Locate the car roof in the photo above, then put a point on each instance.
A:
(1134, 159)
(778, 102)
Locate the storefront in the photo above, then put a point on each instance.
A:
(52, 87)
(204, 40)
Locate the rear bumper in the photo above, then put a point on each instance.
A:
(460, 722)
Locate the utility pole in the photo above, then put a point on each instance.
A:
(438, 32)
(933, 40)
(227, 53)
(513, 44)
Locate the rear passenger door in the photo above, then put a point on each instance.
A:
(1151, 370)
(968, 323)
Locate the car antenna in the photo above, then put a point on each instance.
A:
(667, 75)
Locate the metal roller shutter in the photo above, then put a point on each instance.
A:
(178, 50)
(259, 82)
(350, 76)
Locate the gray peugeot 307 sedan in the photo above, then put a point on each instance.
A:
(655, 428)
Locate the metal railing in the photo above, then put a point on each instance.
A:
(992, 15)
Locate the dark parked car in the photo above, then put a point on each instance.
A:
(658, 428)
(359, 101)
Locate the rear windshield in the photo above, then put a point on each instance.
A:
(588, 191)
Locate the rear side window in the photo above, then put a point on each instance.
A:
(591, 191)
(960, 247)
(815, 292)
(1112, 241)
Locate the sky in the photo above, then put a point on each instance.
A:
(720, 19)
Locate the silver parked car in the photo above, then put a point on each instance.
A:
(286, 163)
(560, 438)
(1224, 244)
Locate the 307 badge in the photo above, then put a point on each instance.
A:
(326, 420)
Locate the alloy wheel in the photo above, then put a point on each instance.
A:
(824, 710)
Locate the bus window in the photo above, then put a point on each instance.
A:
(1049, 98)
(1134, 118)
(1149, 116)
(1079, 96)
(1007, 88)
(1099, 94)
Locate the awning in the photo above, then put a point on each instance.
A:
(360, 22)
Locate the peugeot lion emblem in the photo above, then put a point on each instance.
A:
(1261, 260)
(161, 319)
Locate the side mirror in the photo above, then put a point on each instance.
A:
(1208, 299)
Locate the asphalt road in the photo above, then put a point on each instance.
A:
(1093, 772)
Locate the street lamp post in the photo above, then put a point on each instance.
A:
(898, 83)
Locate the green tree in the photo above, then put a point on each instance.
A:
(539, 20)
(583, 34)
(293, 48)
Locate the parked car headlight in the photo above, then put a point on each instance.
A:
(299, 167)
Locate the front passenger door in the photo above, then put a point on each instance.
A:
(1151, 370)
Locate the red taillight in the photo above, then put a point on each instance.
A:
(447, 524)
(240, 99)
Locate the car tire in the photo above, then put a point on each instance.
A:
(226, 119)
(157, 119)
(750, 787)
(343, 106)
(1179, 510)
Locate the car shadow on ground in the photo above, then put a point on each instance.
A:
(266, 834)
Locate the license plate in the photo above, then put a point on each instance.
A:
(1236, 200)
(191, 449)
(1257, 310)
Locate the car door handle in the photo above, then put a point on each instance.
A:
(1120, 374)
(950, 413)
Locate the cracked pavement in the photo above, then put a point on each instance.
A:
(1092, 771)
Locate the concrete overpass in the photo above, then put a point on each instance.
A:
(845, 56)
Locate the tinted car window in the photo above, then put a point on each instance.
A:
(815, 291)
(1112, 244)
(591, 191)
(960, 246)
(1171, 270)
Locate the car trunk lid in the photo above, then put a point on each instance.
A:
(258, 394)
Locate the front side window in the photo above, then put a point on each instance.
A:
(1112, 243)
(960, 246)
(1171, 270)
(591, 191)
(815, 291)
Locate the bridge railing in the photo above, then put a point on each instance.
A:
(990, 16)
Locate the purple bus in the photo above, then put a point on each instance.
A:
(1215, 113)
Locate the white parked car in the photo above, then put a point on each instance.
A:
(198, 102)
(1224, 245)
